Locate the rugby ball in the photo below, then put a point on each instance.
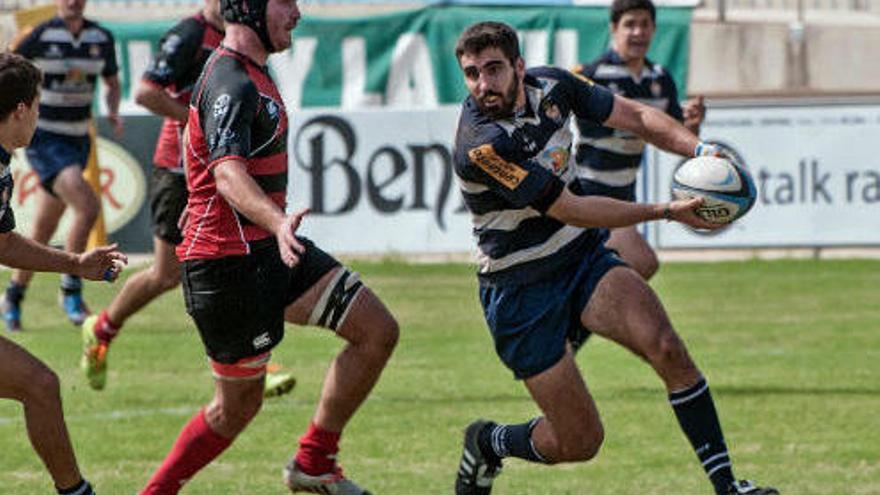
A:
(727, 189)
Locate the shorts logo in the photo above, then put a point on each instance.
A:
(221, 106)
(262, 340)
(508, 174)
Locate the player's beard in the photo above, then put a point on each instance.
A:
(508, 102)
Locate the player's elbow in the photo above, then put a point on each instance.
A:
(567, 210)
(145, 95)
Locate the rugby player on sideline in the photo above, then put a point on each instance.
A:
(165, 90)
(608, 159)
(245, 271)
(544, 266)
(23, 377)
(72, 52)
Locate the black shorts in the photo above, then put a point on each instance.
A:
(238, 302)
(167, 200)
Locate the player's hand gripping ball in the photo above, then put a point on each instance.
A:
(727, 189)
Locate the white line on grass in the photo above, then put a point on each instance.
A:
(142, 413)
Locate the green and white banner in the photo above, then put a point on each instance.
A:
(406, 59)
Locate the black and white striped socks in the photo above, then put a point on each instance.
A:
(698, 418)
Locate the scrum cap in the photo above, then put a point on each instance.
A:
(251, 13)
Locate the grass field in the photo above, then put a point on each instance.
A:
(791, 349)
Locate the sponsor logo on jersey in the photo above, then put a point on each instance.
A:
(221, 106)
(656, 89)
(508, 174)
(552, 111)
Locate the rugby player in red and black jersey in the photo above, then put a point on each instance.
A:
(165, 89)
(245, 272)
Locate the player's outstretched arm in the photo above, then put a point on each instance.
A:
(653, 126)
(103, 263)
(245, 195)
(600, 211)
(156, 100)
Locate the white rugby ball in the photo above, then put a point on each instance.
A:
(727, 189)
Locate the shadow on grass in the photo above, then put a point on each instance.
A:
(748, 391)
(638, 393)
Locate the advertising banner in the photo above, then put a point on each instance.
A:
(406, 59)
(378, 181)
(816, 169)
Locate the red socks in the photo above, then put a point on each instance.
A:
(196, 446)
(105, 330)
(317, 450)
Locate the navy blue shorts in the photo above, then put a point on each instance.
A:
(530, 323)
(50, 153)
(592, 188)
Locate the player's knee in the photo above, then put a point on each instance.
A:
(379, 332)
(166, 279)
(669, 350)
(235, 415)
(89, 209)
(385, 336)
(645, 264)
(582, 445)
(650, 265)
(44, 386)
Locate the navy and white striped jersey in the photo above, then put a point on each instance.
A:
(7, 218)
(71, 65)
(512, 170)
(610, 156)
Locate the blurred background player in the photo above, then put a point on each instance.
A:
(609, 159)
(23, 377)
(165, 89)
(544, 265)
(72, 52)
(245, 272)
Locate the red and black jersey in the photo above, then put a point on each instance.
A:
(236, 113)
(183, 51)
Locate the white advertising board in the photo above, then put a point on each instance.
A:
(381, 181)
(378, 181)
(816, 169)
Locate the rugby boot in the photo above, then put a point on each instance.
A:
(333, 483)
(475, 472)
(278, 384)
(93, 362)
(746, 487)
(74, 307)
(11, 306)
